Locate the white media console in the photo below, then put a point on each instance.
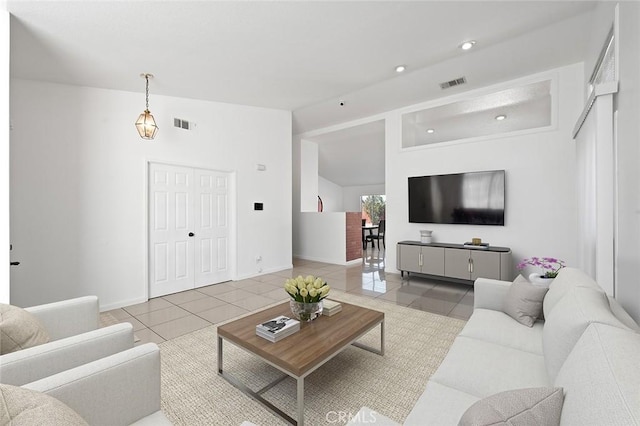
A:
(456, 261)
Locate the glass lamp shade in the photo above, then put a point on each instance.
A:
(146, 125)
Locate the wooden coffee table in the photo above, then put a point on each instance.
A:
(301, 353)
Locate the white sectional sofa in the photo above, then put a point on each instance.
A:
(588, 346)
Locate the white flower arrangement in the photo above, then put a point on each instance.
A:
(307, 290)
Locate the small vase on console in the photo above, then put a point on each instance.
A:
(425, 236)
(540, 280)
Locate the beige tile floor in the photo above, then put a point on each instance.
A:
(170, 316)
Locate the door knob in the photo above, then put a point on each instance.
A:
(191, 234)
(14, 263)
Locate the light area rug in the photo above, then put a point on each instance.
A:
(416, 342)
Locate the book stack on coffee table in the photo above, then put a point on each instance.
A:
(277, 328)
(330, 307)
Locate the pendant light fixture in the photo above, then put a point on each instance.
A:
(146, 124)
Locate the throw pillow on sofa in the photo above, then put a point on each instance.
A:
(518, 407)
(24, 407)
(19, 329)
(523, 302)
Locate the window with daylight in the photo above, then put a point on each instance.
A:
(373, 208)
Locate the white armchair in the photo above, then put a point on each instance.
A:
(68, 317)
(121, 389)
(75, 340)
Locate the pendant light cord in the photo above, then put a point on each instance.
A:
(146, 76)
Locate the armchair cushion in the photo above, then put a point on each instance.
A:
(23, 407)
(19, 329)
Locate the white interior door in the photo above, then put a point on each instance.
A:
(170, 222)
(212, 224)
(188, 228)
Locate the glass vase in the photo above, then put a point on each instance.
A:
(305, 311)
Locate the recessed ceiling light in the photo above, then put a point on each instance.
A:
(467, 45)
(500, 117)
(401, 68)
(430, 131)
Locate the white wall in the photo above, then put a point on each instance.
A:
(540, 210)
(4, 153)
(351, 195)
(78, 188)
(322, 237)
(308, 176)
(331, 195)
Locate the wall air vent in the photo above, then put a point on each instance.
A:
(181, 124)
(456, 82)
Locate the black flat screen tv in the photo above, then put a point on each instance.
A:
(475, 198)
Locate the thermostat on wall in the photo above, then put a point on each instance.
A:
(258, 206)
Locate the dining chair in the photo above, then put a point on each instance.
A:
(378, 236)
(364, 241)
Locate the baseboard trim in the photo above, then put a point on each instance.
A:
(116, 305)
(331, 261)
(266, 271)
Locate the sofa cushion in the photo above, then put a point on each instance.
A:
(601, 378)
(567, 279)
(19, 329)
(518, 407)
(481, 368)
(569, 319)
(523, 302)
(22, 407)
(429, 408)
(499, 328)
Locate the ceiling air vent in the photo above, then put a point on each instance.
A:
(456, 82)
(180, 123)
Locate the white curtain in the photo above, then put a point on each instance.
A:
(595, 192)
(586, 191)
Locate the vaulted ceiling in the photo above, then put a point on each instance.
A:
(303, 56)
